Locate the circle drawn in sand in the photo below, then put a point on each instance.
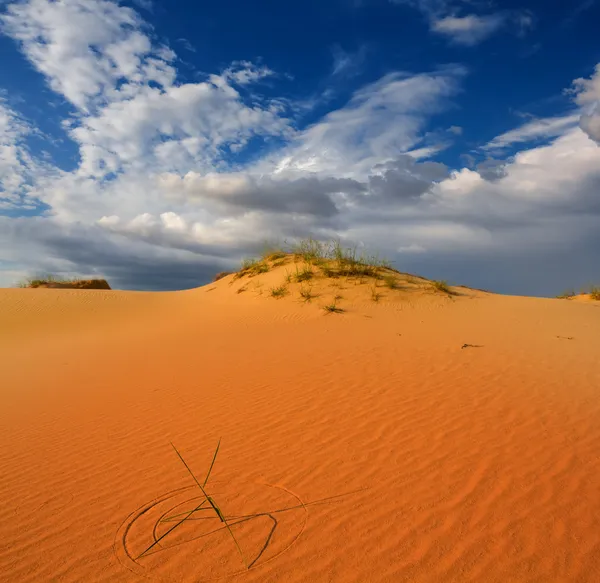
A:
(265, 519)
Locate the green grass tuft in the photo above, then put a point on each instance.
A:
(333, 308)
(567, 294)
(306, 293)
(595, 293)
(390, 281)
(375, 295)
(310, 250)
(279, 291)
(252, 267)
(44, 280)
(441, 285)
(304, 274)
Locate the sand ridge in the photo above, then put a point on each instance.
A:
(367, 445)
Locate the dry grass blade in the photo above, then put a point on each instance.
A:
(212, 502)
(172, 528)
(211, 463)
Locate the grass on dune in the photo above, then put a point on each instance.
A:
(390, 281)
(333, 308)
(315, 259)
(306, 293)
(304, 274)
(44, 280)
(279, 291)
(441, 285)
(222, 274)
(593, 291)
(375, 295)
(570, 293)
(252, 267)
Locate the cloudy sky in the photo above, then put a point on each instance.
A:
(155, 143)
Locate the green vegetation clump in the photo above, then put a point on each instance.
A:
(567, 294)
(333, 308)
(306, 293)
(333, 260)
(595, 293)
(441, 285)
(252, 267)
(375, 295)
(222, 274)
(56, 281)
(279, 291)
(390, 281)
(310, 250)
(304, 274)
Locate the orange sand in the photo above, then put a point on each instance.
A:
(365, 446)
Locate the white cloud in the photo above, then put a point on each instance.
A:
(181, 125)
(468, 30)
(245, 72)
(452, 19)
(587, 94)
(16, 165)
(542, 128)
(381, 121)
(86, 48)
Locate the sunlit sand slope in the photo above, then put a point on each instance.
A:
(414, 437)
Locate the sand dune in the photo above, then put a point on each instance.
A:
(370, 445)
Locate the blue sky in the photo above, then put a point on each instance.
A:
(156, 143)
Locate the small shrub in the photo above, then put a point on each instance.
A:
(567, 294)
(595, 293)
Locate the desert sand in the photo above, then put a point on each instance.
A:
(369, 445)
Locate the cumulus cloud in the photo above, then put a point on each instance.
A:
(130, 109)
(239, 193)
(87, 48)
(587, 94)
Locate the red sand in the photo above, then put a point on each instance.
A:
(399, 455)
